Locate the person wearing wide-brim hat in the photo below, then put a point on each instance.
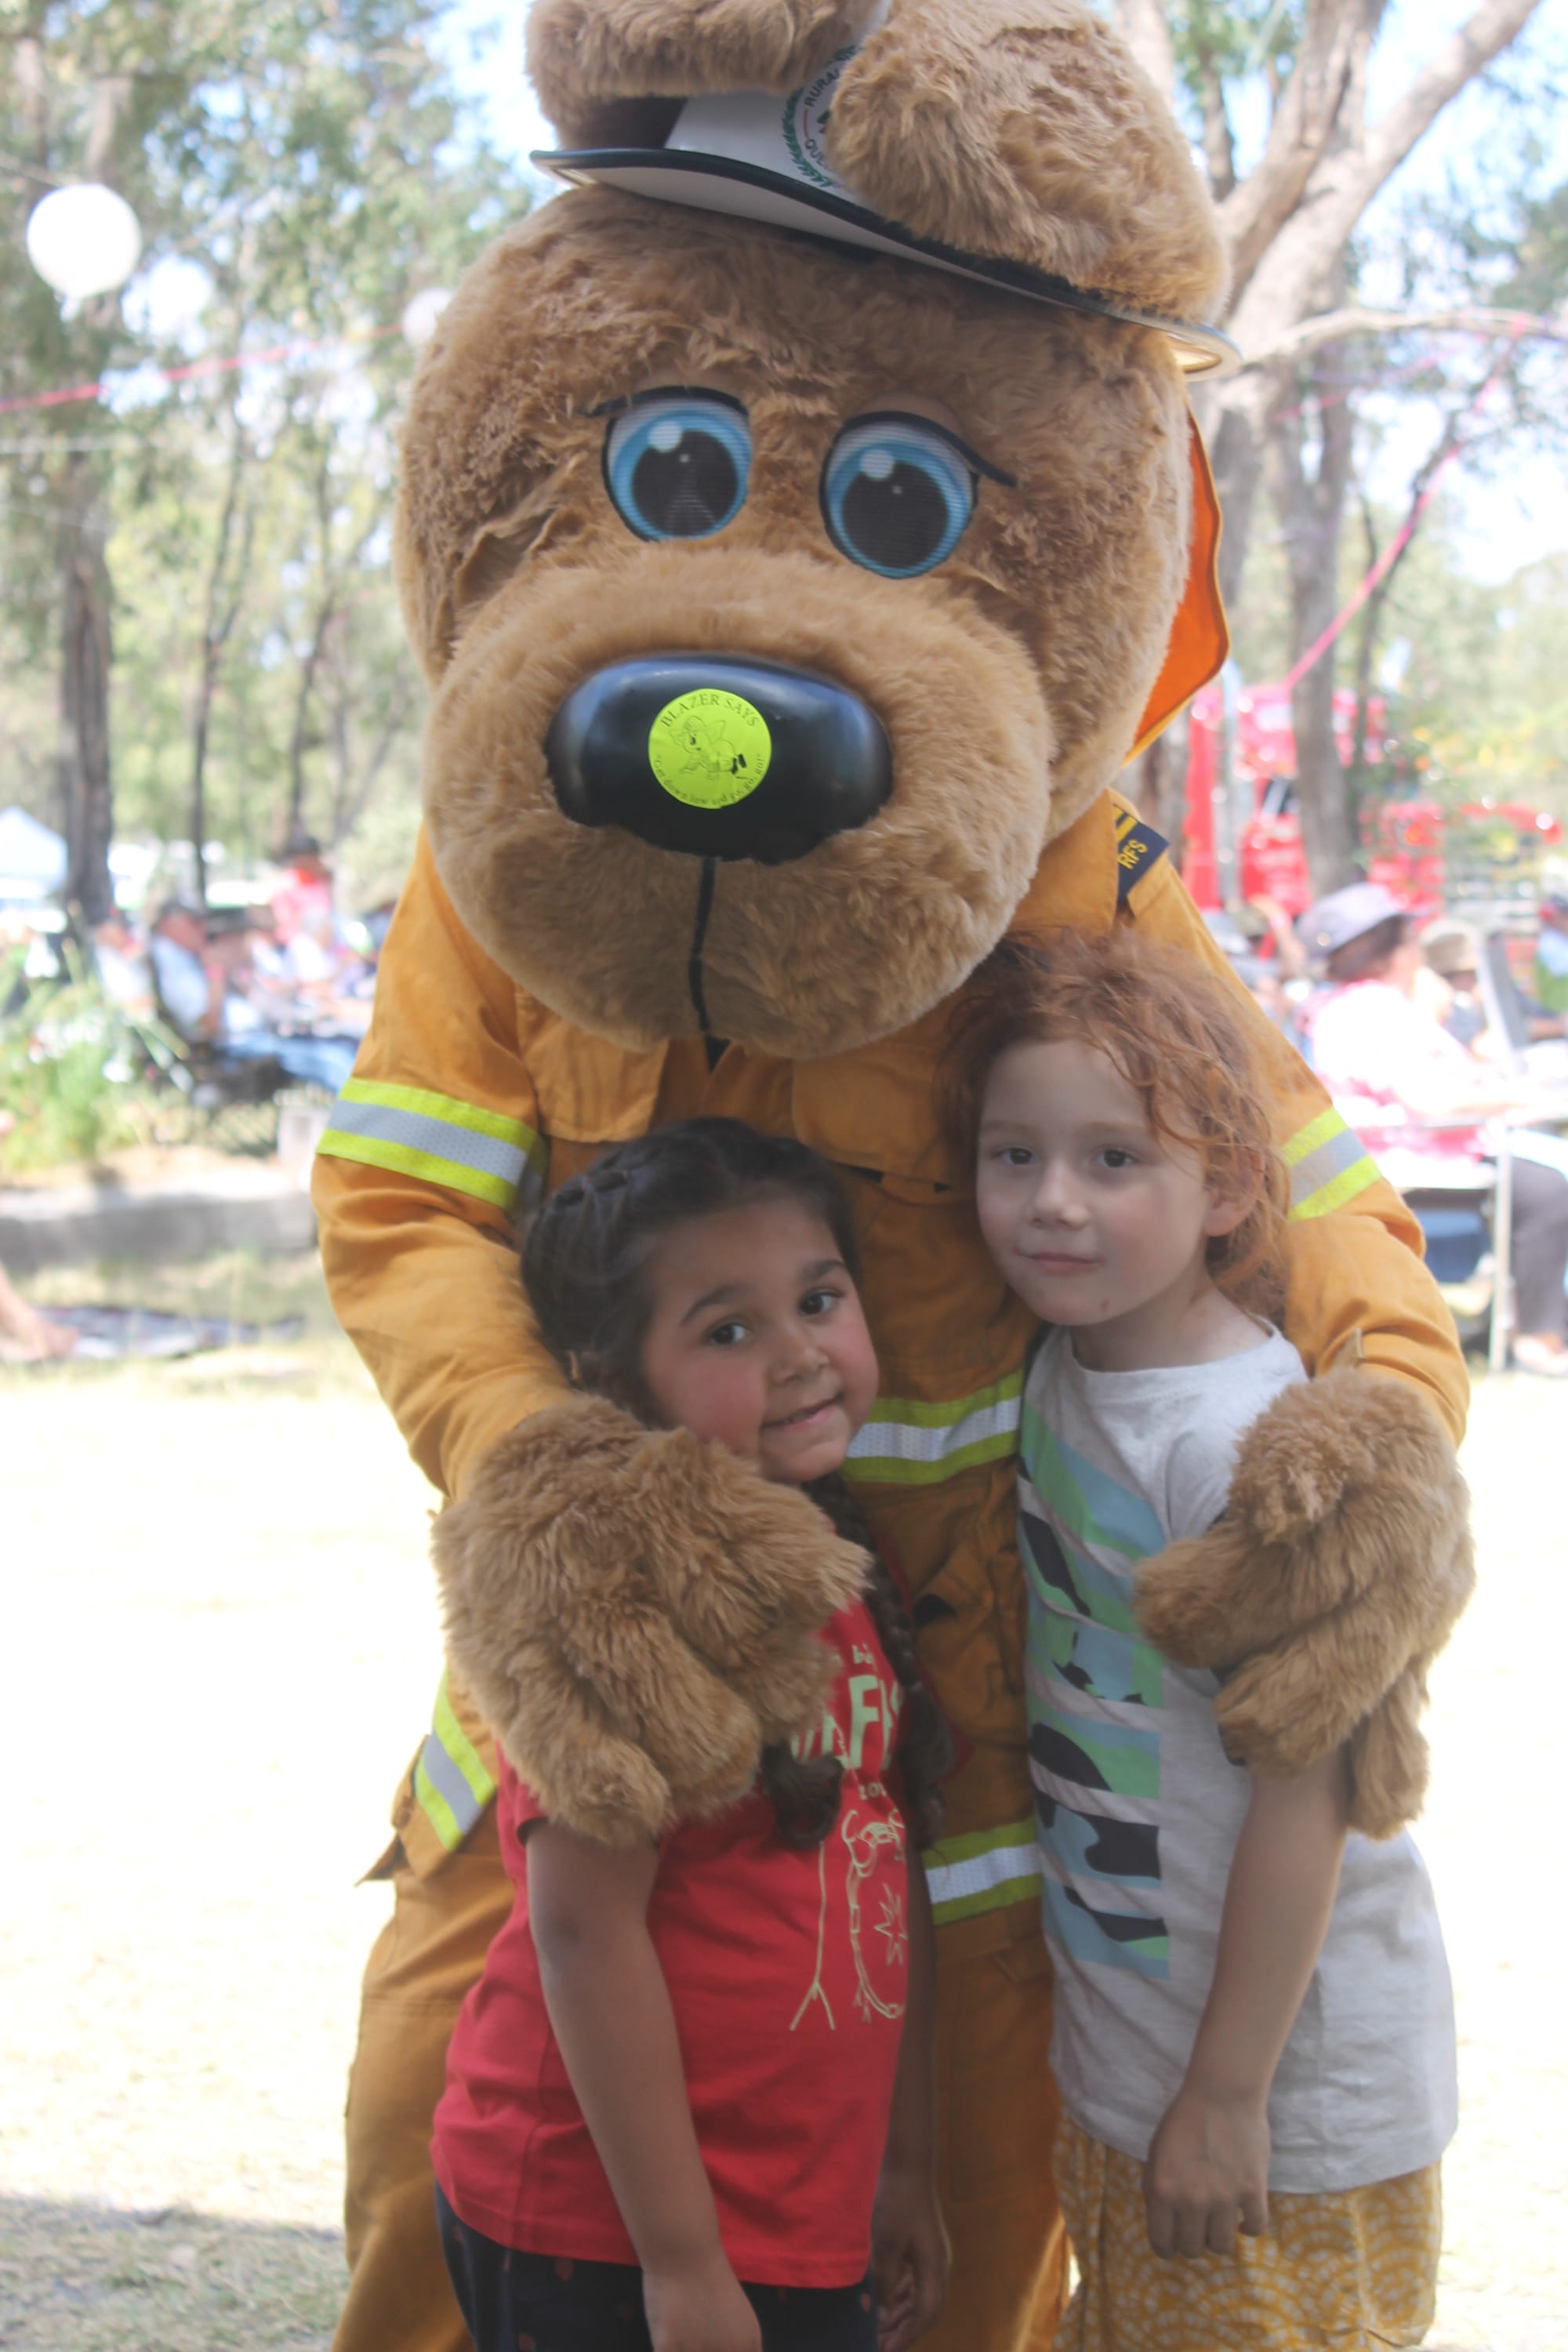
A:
(1445, 984)
(1417, 1100)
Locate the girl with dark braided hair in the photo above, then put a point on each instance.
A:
(693, 2091)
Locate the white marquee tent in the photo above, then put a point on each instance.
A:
(32, 859)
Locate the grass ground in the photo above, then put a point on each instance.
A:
(219, 1647)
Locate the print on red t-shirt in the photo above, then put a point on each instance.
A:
(787, 1974)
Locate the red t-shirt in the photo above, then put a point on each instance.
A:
(786, 1972)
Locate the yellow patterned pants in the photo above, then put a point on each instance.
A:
(1352, 2272)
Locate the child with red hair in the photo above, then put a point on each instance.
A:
(1254, 2037)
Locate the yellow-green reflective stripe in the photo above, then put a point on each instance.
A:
(437, 1810)
(447, 1107)
(982, 1871)
(908, 1442)
(461, 1748)
(450, 1781)
(439, 1139)
(1329, 1165)
(370, 1151)
(1344, 1188)
(1321, 1129)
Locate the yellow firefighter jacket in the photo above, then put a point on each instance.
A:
(469, 1101)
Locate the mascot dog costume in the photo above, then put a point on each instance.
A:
(795, 558)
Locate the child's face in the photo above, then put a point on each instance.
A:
(757, 1338)
(1090, 1217)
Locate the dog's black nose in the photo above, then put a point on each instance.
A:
(718, 758)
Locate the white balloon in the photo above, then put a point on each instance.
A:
(421, 312)
(84, 240)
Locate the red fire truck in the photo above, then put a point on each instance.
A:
(1486, 851)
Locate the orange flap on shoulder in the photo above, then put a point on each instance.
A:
(1200, 638)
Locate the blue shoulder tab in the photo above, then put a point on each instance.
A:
(1138, 846)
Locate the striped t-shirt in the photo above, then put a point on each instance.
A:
(1138, 1810)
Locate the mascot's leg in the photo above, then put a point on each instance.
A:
(424, 1961)
(997, 2111)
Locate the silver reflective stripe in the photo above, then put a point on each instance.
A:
(919, 1441)
(982, 1871)
(1329, 1165)
(1321, 1166)
(449, 1785)
(437, 1138)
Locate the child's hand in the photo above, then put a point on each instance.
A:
(700, 2309)
(1207, 2172)
(908, 2257)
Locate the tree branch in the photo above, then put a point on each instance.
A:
(1219, 148)
(1333, 326)
(1307, 249)
(1490, 28)
(1145, 28)
(1252, 216)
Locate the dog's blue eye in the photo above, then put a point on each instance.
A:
(896, 495)
(676, 463)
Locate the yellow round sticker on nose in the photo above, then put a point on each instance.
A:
(710, 749)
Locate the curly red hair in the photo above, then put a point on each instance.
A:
(1174, 1032)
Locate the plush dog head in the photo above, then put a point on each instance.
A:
(781, 601)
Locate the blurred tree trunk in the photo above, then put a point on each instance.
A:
(1310, 438)
(87, 799)
(1289, 223)
(1288, 226)
(335, 569)
(225, 595)
(86, 783)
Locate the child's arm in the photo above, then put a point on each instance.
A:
(909, 2242)
(1208, 2162)
(610, 2007)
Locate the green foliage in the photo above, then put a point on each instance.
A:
(1485, 689)
(309, 169)
(69, 1073)
(1231, 38)
(1472, 674)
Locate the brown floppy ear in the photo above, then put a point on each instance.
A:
(593, 61)
(1022, 130)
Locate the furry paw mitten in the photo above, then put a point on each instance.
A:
(636, 1614)
(1335, 1577)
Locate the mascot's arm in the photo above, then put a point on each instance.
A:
(1344, 1558)
(432, 1150)
(635, 1615)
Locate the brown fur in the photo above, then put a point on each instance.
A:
(1028, 133)
(1008, 700)
(636, 1614)
(585, 57)
(1021, 130)
(1336, 1576)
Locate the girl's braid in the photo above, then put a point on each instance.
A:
(926, 1752)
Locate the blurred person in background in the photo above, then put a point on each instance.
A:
(26, 1335)
(1266, 919)
(304, 915)
(1418, 1099)
(1447, 982)
(120, 962)
(193, 988)
(1551, 956)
